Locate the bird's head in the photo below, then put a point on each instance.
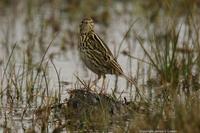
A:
(86, 26)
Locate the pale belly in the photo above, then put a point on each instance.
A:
(91, 64)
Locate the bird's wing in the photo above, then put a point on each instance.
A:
(103, 55)
(99, 44)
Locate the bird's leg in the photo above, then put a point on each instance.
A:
(103, 85)
(99, 76)
(95, 81)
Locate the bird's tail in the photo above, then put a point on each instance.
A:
(129, 79)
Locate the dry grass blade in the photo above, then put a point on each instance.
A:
(40, 65)
(83, 83)
(5, 69)
(129, 29)
(129, 55)
(146, 52)
(59, 82)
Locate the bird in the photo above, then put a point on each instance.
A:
(97, 56)
(94, 52)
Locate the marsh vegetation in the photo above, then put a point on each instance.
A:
(45, 87)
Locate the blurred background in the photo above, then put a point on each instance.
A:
(32, 25)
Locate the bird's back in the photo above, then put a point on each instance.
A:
(97, 56)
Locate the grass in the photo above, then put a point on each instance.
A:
(168, 74)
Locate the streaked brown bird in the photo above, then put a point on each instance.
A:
(95, 53)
